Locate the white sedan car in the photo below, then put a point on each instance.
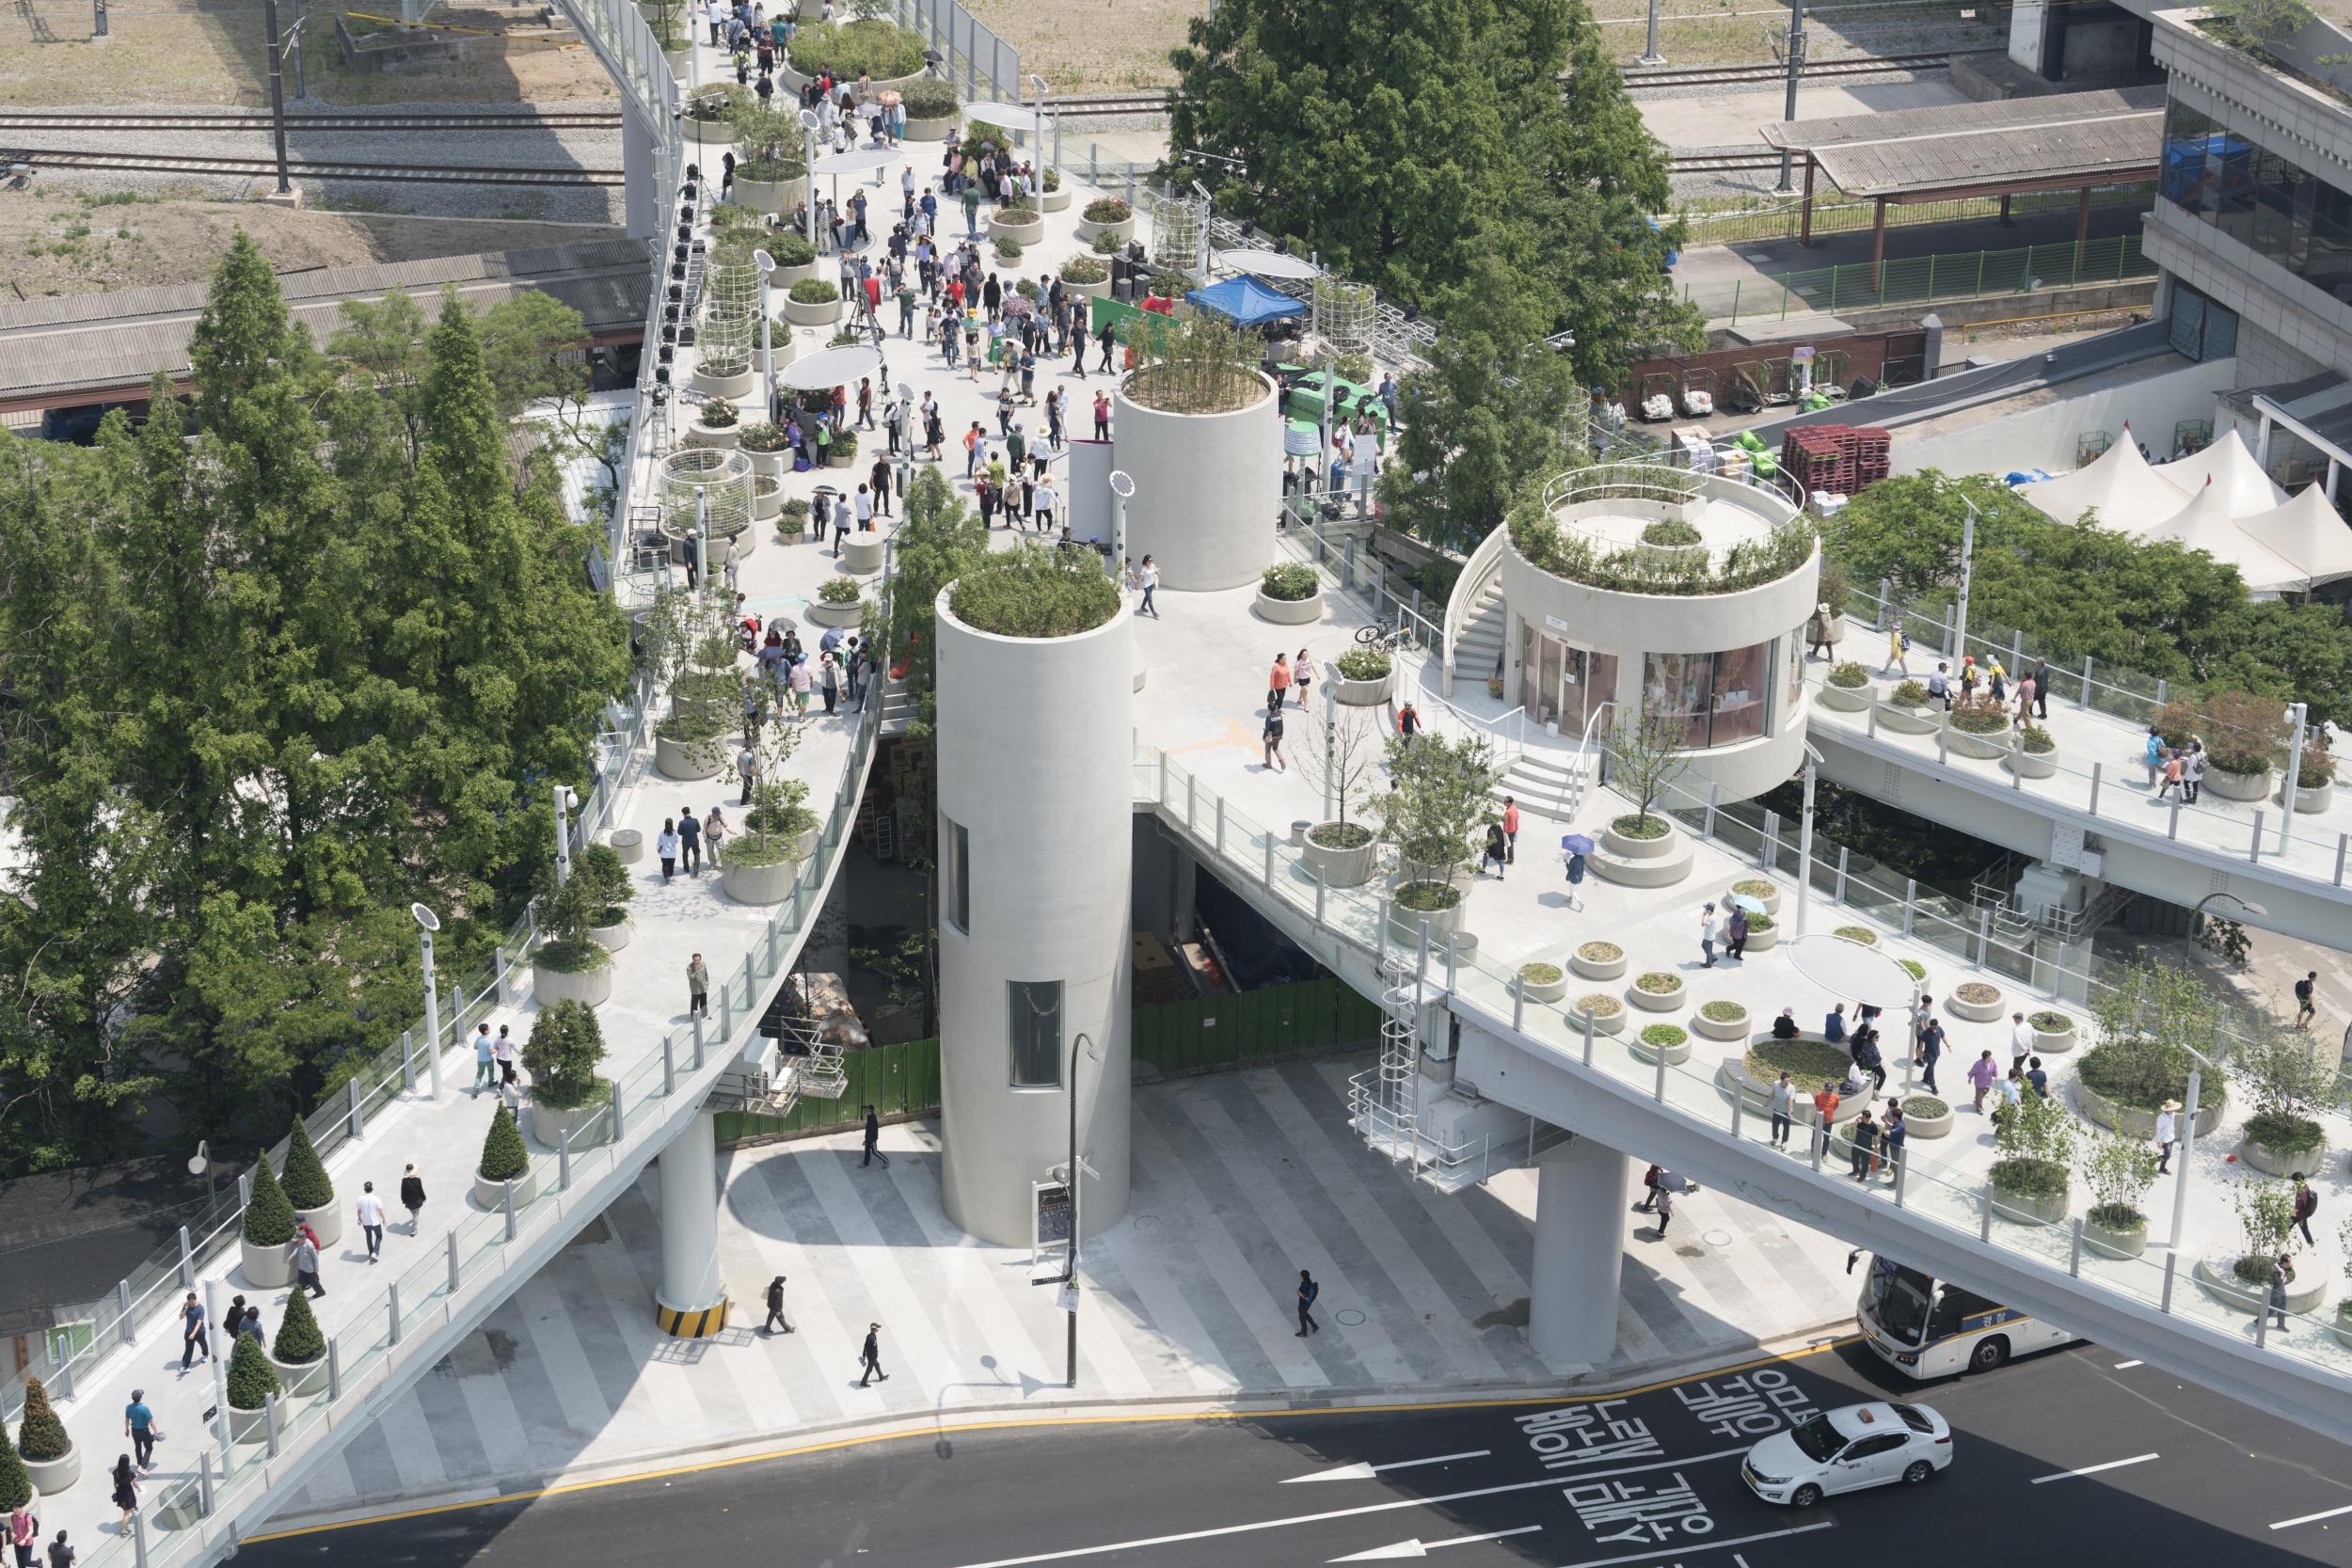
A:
(1844, 1450)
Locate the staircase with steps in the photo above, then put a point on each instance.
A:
(1478, 651)
(1544, 783)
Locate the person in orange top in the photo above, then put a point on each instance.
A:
(1278, 684)
(1825, 1107)
(1510, 830)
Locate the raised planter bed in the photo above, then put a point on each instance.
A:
(1675, 1045)
(299, 1380)
(2052, 1042)
(1343, 866)
(1746, 886)
(615, 937)
(721, 435)
(1361, 693)
(771, 196)
(2311, 798)
(1982, 748)
(589, 986)
(2220, 1281)
(768, 883)
(1024, 234)
(2128, 1242)
(1643, 862)
(265, 1266)
(1604, 1023)
(2138, 1123)
(827, 614)
(686, 761)
(1124, 228)
(1290, 613)
(1537, 989)
(1734, 1028)
(587, 1124)
(1845, 699)
(2248, 788)
(2282, 1162)
(1054, 200)
(1092, 290)
(1658, 1000)
(1977, 1012)
(862, 553)
(1926, 1126)
(823, 312)
(491, 1195)
(1601, 967)
(2026, 1209)
(931, 130)
(1905, 720)
(1404, 925)
(1762, 939)
(2032, 765)
(628, 843)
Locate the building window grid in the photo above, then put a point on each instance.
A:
(2261, 198)
(959, 876)
(1035, 1031)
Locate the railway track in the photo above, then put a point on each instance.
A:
(83, 121)
(1726, 162)
(36, 159)
(1103, 105)
(1638, 80)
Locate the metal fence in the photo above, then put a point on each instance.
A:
(1784, 219)
(973, 55)
(1918, 279)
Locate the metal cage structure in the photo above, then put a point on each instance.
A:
(730, 324)
(1345, 314)
(709, 487)
(1179, 226)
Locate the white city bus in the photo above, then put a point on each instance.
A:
(1926, 1328)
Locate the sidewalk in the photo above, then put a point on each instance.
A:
(1240, 1179)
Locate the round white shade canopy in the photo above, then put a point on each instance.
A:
(1267, 263)
(1847, 968)
(829, 366)
(857, 160)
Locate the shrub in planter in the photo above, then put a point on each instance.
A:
(1290, 582)
(305, 1181)
(16, 1487)
(2119, 1171)
(927, 99)
(1084, 269)
(793, 518)
(2316, 768)
(2284, 1133)
(863, 47)
(505, 1158)
(791, 250)
(1600, 952)
(1608, 1012)
(1722, 1012)
(567, 1042)
(1171, 284)
(838, 591)
(1363, 665)
(2265, 1216)
(1664, 1037)
(2038, 741)
(719, 414)
(1634, 825)
(252, 1381)
(1975, 1001)
(1914, 968)
(1909, 694)
(1658, 982)
(1670, 533)
(1008, 249)
(1107, 244)
(1053, 178)
(814, 290)
(2035, 1142)
(1861, 934)
(2138, 1074)
(269, 1214)
(1034, 594)
(1850, 676)
(1541, 973)
(299, 1339)
(1357, 368)
(1809, 1062)
(2177, 721)
(1025, 288)
(40, 1437)
(1427, 897)
(2244, 734)
(1109, 209)
(764, 436)
(1979, 718)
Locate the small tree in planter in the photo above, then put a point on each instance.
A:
(1650, 757)
(1109, 209)
(1441, 798)
(569, 961)
(2035, 1143)
(2119, 1171)
(252, 1384)
(505, 1156)
(16, 1486)
(1343, 767)
(2265, 1216)
(2244, 734)
(269, 1214)
(2284, 1075)
(608, 889)
(43, 1442)
(567, 1042)
(307, 1185)
(1008, 249)
(299, 1356)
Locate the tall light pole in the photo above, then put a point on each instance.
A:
(766, 265)
(1123, 486)
(1070, 1269)
(566, 801)
(1967, 570)
(2297, 716)
(1804, 842)
(428, 923)
(808, 177)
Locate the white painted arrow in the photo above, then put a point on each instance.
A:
(1423, 1549)
(1362, 1471)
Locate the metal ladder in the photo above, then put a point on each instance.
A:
(1380, 1098)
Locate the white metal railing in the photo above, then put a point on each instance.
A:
(1484, 566)
(1567, 496)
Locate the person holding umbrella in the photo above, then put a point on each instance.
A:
(1574, 847)
(1742, 906)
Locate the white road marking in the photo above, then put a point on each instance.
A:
(2310, 1518)
(1378, 1508)
(1362, 1471)
(1417, 1547)
(2120, 1366)
(1683, 1551)
(2094, 1469)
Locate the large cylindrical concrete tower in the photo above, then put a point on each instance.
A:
(1208, 489)
(1035, 820)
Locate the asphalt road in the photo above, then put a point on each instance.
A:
(1651, 1479)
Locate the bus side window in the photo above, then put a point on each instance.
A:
(1954, 1307)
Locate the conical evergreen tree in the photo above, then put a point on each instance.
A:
(38, 1433)
(307, 1185)
(269, 1214)
(251, 1379)
(298, 1336)
(504, 1157)
(16, 1485)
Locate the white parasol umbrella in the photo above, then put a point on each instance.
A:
(1847, 968)
(829, 367)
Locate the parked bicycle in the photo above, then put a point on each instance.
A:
(1385, 634)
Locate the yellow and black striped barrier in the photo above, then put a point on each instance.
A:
(700, 1324)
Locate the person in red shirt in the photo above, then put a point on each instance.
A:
(1278, 684)
(1101, 412)
(1510, 830)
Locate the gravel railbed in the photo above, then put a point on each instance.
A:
(545, 149)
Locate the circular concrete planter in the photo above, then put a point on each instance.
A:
(2030, 1211)
(1603, 1023)
(1543, 991)
(2142, 1124)
(686, 761)
(2312, 798)
(2056, 1042)
(1764, 940)
(1599, 969)
(1362, 693)
(587, 1124)
(759, 884)
(2221, 1282)
(826, 615)
(1643, 1051)
(1340, 868)
(1405, 925)
(1907, 721)
(1124, 228)
(615, 937)
(1202, 483)
(1658, 1001)
(724, 436)
(299, 1379)
(767, 505)
(772, 197)
(2248, 788)
(1977, 1012)
(716, 134)
(2116, 1244)
(1023, 234)
(492, 1194)
(1982, 748)
(326, 1223)
(1291, 612)
(628, 843)
(1091, 291)
(1054, 200)
(2282, 1162)
(1771, 899)
(1926, 1127)
(1623, 848)
(822, 313)
(930, 130)
(2032, 765)
(250, 1426)
(589, 986)
(862, 553)
(770, 465)
(265, 1266)
(51, 1476)
(1643, 862)
(1845, 699)
(735, 388)
(783, 278)
(1735, 1029)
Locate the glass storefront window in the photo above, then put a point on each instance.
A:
(1742, 695)
(1714, 699)
(1675, 691)
(1561, 683)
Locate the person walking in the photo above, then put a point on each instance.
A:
(2166, 1134)
(138, 1424)
(2193, 772)
(1278, 684)
(697, 987)
(1308, 1291)
(1982, 1076)
(1863, 1142)
(1272, 739)
(1408, 722)
(747, 770)
(1824, 1114)
(690, 841)
(412, 1195)
(1669, 1183)
(873, 1141)
(370, 1212)
(305, 1253)
(869, 1357)
(1710, 928)
(1149, 576)
(714, 833)
(1302, 675)
(775, 1308)
(665, 847)
(2305, 1001)
(1784, 1100)
(486, 1071)
(2153, 755)
(1736, 929)
(2306, 1205)
(194, 1346)
(24, 1532)
(126, 1482)
(1931, 1049)
(508, 1053)
(1101, 412)
(1494, 855)
(1510, 814)
(1898, 647)
(61, 1555)
(2020, 1038)
(2281, 1275)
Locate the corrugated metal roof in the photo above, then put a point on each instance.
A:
(77, 342)
(1909, 151)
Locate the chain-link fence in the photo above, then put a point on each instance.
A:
(1920, 280)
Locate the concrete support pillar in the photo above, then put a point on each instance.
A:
(641, 170)
(1579, 1251)
(691, 1304)
(2028, 33)
(1187, 912)
(1035, 832)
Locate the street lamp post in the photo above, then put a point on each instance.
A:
(566, 803)
(1805, 844)
(2297, 716)
(808, 162)
(1968, 565)
(1070, 1269)
(428, 923)
(1123, 486)
(766, 265)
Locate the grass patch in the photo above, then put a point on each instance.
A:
(1808, 1061)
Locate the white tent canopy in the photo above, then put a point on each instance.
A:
(2204, 525)
(2306, 533)
(2118, 484)
(2233, 470)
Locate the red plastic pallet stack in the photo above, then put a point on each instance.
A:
(1870, 456)
(1815, 456)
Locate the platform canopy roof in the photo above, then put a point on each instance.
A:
(2019, 144)
(2117, 487)
(2232, 469)
(2204, 524)
(2307, 533)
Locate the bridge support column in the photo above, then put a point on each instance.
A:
(1579, 1251)
(641, 167)
(691, 1304)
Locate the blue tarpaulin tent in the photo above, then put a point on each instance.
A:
(1245, 301)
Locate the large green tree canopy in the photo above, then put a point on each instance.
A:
(264, 685)
(2077, 591)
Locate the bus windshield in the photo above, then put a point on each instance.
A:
(1899, 1301)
